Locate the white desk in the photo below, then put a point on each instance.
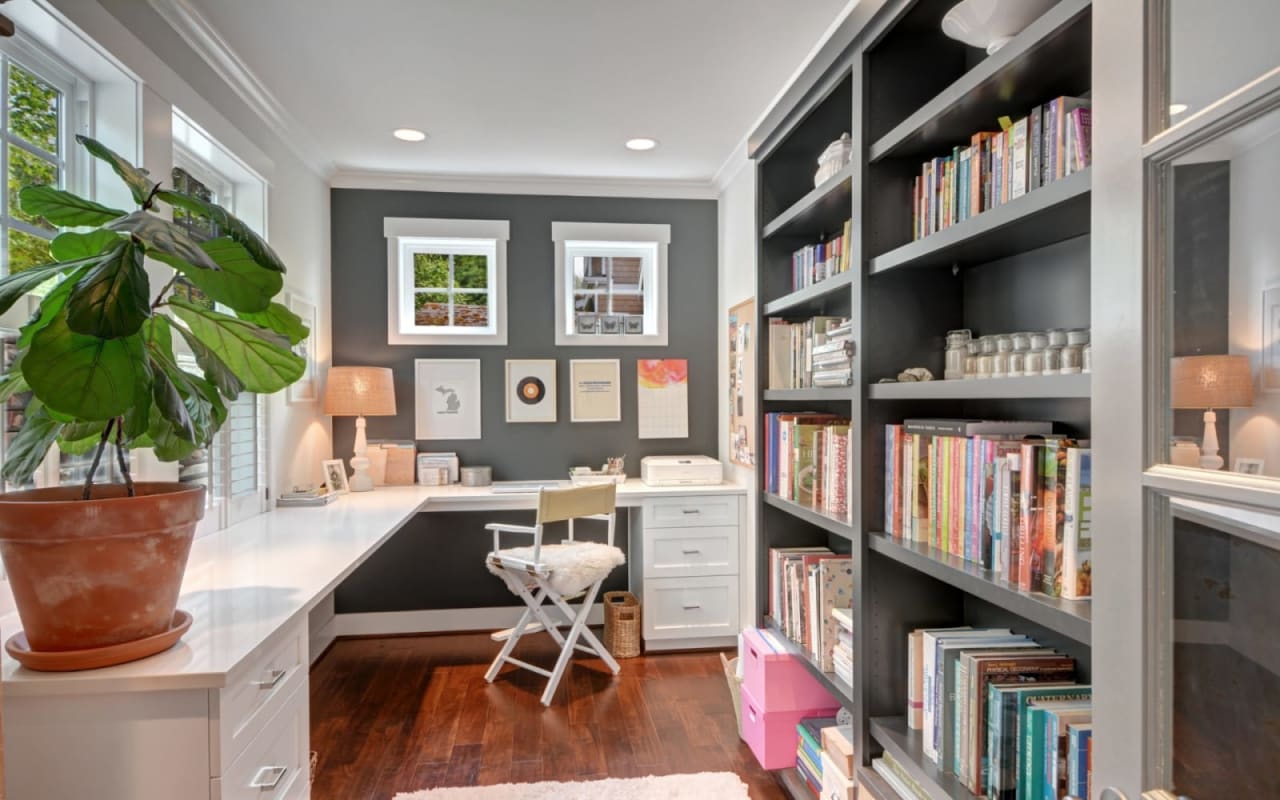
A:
(207, 717)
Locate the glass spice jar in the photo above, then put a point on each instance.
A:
(956, 353)
(1000, 360)
(1073, 352)
(1017, 363)
(1086, 358)
(1052, 360)
(1034, 364)
(971, 360)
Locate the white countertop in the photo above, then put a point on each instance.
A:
(247, 582)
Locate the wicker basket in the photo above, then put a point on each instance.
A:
(735, 687)
(622, 624)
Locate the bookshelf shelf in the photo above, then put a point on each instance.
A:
(793, 784)
(842, 691)
(845, 393)
(1041, 217)
(822, 211)
(1043, 61)
(995, 388)
(869, 781)
(906, 747)
(825, 521)
(1071, 618)
(812, 300)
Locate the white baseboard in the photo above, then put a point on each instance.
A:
(390, 623)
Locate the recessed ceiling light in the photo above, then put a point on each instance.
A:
(1176, 108)
(408, 134)
(642, 143)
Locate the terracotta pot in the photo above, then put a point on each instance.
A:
(98, 572)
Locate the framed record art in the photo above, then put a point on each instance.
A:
(531, 390)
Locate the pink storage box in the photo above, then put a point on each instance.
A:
(772, 735)
(778, 680)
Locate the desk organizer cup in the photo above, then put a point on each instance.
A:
(476, 476)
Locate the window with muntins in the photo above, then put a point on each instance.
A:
(611, 283)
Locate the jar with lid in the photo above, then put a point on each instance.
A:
(1086, 358)
(1000, 360)
(1052, 359)
(986, 363)
(1073, 352)
(1057, 337)
(971, 360)
(956, 353)
(1021, 341)
(1017, 363)
(988, 344)
(1034, 363)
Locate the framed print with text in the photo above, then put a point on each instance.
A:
(595, 390)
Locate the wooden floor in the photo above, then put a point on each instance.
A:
(404, 714)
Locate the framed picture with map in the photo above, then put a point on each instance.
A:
(446, 398)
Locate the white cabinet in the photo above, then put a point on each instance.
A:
(685, 553)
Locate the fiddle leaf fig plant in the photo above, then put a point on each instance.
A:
(98, 355)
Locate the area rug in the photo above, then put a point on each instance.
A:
(699, 786)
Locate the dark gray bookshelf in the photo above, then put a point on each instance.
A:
(812, 300)
(843, 692)
(793, 783)
(1042, 386)
(907, 748)
(1039, 218)
(820, 213)
(815, 518)
(870, 782)
(819, 393)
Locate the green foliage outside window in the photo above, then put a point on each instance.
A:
(34, 117)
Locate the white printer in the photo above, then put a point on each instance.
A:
(681, 471)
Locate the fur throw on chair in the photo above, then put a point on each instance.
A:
(573, 566)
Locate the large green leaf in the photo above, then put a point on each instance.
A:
(18, 285)
(53, 304)
(239, 283)
(215, 370)
(163, 236)
(73, 246)
(281, 320)
(229, 225)
(64, 209)
(166, 442)
(111, 300)
(169, 402)
(27, 449)
(79, 438)
(137, 179)
(12, 383)
(84, 376)
(259, 358)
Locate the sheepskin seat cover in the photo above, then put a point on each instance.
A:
(573, 566)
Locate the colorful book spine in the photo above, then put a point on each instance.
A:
(1077, 536)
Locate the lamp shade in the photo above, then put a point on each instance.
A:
(1205, 382)
(360, 392)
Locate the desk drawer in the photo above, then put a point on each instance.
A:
(687, 552)
(676, 608)
(255, 691)
(694, 510)
(276, 765)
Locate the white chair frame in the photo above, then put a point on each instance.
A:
(517, 572)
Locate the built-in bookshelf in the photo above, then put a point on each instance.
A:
(908, 94)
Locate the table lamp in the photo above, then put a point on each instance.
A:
(1209, 382)
(360, 392)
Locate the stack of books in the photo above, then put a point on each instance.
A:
(1050, 143)
(319, 496)
(817, 352)
(842, 650)
(805, 585)
(816, 262)
(809, 750)
(807, 460)
(838, 763)
(898, 778)
(1008, 496)
(1000, 712)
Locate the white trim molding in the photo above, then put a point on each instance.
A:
(523, 185)
(617, 235)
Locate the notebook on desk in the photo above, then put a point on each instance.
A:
(524, 487)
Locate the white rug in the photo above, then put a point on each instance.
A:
(700, 786)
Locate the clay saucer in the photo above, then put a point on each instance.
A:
(95, 658)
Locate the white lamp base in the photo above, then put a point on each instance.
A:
(361, 481)
(1209, 458)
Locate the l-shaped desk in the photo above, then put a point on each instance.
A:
(224, 714)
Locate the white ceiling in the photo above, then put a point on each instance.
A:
(524, 87)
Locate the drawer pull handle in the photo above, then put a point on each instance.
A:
(268, 777)
(273, 677)
(692, 606)
(692, 511)
(691, 551)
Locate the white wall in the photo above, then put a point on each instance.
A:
(737, 282)
(297, 214)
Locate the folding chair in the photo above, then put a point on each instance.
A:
(556, 572)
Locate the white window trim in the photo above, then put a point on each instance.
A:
(400, 233)
(575, 235)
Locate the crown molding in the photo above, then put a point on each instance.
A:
(523, 184)
(209, 45)
(736, 161)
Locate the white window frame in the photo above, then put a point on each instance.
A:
(408, 236)
(612, 239)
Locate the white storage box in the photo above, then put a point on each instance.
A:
(681, 471)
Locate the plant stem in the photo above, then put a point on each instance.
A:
(151, 198)
(167, 287)
(97, 457)
(124, 462)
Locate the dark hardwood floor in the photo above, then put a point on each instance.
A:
(404, 714)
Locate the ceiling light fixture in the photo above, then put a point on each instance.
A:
(642, 143)
(1176, 108)
(408, 134)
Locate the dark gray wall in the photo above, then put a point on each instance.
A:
(425, 565)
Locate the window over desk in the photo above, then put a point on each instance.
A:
(611, 283)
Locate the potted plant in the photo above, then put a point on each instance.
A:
(96, 566)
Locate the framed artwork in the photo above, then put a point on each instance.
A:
(595, 384)
(531, 390)
(634, 325)
(304, 389)
(1270, 372)
(742, 382)
(1248, 466)
(335, 475)
(447, 398)
(662, 398)
(611, 324)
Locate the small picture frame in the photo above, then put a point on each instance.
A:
(335, 476)
(634, 326)
(611, 324)
(1248, 466)
(586, 323)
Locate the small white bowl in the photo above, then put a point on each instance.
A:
(990, 24)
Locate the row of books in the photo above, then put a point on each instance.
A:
(1050, 143)
(898, 778)
(842, 649)
(1000, 712)
(824, 747)
(1008, 496)
(816, 262)
(805, 585)
(806, 460)
(816, 352)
